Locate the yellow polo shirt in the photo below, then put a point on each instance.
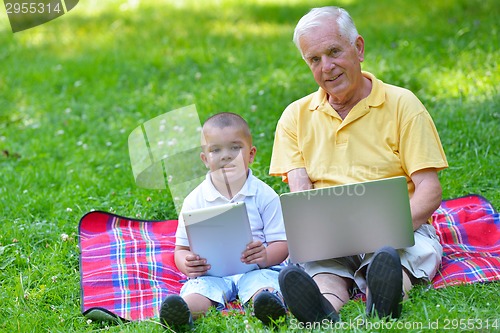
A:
(387, 134)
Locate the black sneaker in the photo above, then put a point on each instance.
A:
(303, 298)
(384, 278)
(175, 313)
(268, 307)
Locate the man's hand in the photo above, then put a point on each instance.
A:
(298, 180)
(255, 253)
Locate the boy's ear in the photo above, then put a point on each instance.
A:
(204, 159)
(253, 151)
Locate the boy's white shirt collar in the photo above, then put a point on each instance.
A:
(210, 193)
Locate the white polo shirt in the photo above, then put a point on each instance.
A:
(262, 203)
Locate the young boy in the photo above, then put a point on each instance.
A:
(227, 151)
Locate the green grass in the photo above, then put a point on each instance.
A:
(73, 89)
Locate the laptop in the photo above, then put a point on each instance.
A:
(220, 234)
(346, 220)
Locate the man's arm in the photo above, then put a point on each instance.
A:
(427, 196)
(298, 180)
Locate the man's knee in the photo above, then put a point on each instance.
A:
(332, 281)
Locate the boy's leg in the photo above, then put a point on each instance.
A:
(263, 288)
(175, 313)
(205, 291)
(196, 297)
(251, 283)
(198, 304)
(268, 306)
(178, 311)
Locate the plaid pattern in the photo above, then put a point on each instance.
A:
(127, 266)
(469, 230)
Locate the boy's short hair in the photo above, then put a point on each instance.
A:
(229, 119)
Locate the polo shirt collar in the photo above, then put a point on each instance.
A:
(377, 95)
(210, 193)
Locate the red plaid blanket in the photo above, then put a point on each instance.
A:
(469, 230)
(127, 266)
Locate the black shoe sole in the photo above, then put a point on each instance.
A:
(303, 297)
(268, 307)
(174, 312)
(384, 279)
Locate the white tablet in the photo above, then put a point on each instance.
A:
(220, 234)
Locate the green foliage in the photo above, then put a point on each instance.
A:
(73, 89)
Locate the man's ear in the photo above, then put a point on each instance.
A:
(360, 48)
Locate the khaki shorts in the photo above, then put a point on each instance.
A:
(421, 260)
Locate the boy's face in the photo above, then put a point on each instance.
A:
(227, 152)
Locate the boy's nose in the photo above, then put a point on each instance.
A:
(227, 155)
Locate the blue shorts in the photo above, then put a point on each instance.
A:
(226, 289)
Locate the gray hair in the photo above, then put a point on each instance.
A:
(317, 16)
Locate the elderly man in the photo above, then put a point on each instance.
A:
(356, 128)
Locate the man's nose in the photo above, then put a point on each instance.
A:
(328, 64)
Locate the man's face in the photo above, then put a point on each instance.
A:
(227, 152)
(334, 61)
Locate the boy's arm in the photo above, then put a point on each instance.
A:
(277, 252)
(189, 263)
(274, 254)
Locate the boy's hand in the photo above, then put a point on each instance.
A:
(255, 253)
(195, 266)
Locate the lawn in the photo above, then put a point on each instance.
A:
(72, 90)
